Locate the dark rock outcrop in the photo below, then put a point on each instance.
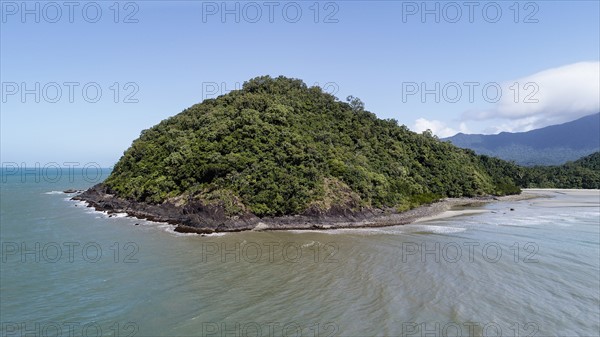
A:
(71, 191)
(191, 217)
(195, 217)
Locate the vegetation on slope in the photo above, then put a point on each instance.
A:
(277, 147)
(582, 173)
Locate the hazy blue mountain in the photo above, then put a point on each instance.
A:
(552, 145)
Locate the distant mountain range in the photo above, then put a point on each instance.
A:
(551, 145)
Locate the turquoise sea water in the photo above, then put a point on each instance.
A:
(66, 270)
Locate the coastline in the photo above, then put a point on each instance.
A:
(207, 219)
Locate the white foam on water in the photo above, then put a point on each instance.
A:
(396, 230)
(415, 229)
(304, 231)
(211, 235)
(91, 210)
(563, 224)
(364, 231)
(162, 226)
(166, 227)
(526, 222)
(216, 234)
(430, 229)
(54, 192)
(309, 244)
(76, 202)
(169, 229)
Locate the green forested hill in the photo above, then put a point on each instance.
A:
(591, 162)
(582, 173)
(278, 147)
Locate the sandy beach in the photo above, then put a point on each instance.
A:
(543, 197)
(449, 208)
(580, 198)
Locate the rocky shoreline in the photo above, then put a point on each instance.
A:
(194, 217)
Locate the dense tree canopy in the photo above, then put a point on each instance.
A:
(582, 173)
(279, 147)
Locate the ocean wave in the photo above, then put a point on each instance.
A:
(54, 192)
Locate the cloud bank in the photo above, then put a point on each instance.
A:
(548, 97)
(438, 128)
(552, 96)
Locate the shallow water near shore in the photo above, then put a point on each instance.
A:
(533, 271)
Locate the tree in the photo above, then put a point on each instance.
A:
(355, 103)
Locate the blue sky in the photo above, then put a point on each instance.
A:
(172, 54)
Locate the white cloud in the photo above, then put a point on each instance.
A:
(548, 97)
(438, 128)
(518, 125)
